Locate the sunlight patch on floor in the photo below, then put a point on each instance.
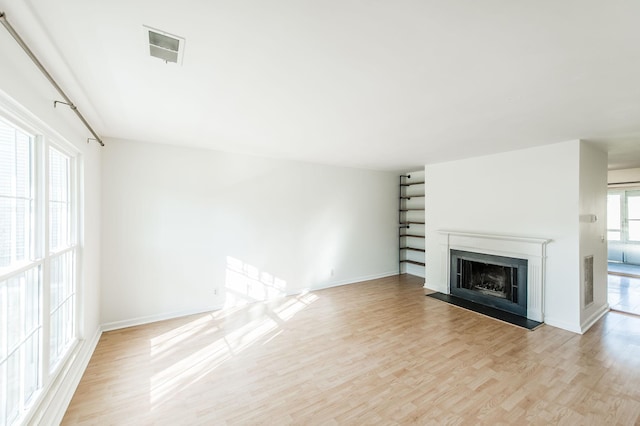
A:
(178, 335)
(294, 305)
(165, 383)
(261, 322)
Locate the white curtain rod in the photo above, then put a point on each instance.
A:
(67, 101)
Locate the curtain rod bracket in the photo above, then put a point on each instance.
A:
(70, 105)
(97, 140)
(43, 70)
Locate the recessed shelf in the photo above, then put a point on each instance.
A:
(413, 262)
(407, 217)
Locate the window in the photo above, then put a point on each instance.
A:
(633, 216)
(16, 195)
(614, 217)
(623, 216)
(62, 256)
(37, 265)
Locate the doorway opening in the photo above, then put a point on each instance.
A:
(623, 234)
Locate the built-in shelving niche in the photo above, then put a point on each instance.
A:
(411, 223)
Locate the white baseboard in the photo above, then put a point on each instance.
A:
(57, 397)
(116, 325)
(574, 328)
(586, 325)
(432, 288)
(356, 280)
(582, 328)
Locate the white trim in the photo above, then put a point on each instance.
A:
(530, 248)
(65, 148)
(62, 251)
(57, 396)
(19, 270)
(562, 324)
(28, 121)
(117, 325)
(52, 383)
(357, 280)
(599, 313)
(428, 287)
(532, 240)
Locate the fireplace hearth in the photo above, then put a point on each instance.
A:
(496, 281)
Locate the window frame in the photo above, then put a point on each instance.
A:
(43, 139)
(71, 248)
(624, 216)
(620, 194)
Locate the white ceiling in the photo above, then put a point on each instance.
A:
(378, 84)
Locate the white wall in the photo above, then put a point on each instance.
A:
(593, 201)
(624, 175)
(532, 192)
(21, 81)
(187, 230)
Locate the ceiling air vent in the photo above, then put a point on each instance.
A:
(163, 45)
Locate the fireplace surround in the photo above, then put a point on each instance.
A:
(531, 250)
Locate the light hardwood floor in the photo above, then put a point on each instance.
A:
(624, 293)
(374, 352)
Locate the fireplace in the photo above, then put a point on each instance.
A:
(496, 281)
(529, 249)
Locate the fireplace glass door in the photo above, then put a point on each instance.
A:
(496, 281)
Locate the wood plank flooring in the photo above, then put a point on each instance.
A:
(624, 293)
(374, 352)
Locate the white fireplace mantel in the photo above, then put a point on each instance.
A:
(531, 249)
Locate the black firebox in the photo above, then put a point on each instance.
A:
(496, 281)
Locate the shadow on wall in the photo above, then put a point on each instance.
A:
(246, 284)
